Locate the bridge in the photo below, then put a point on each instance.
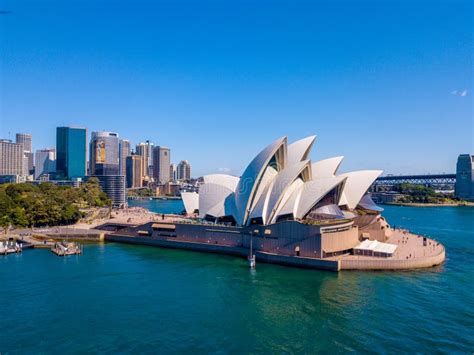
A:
(425, 180)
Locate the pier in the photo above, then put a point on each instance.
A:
(10, 247)
(66, 248)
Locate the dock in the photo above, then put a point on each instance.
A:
(66, 248)
(10, 247)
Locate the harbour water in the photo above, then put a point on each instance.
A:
(123, 298)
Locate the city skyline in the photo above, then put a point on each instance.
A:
(393, 80)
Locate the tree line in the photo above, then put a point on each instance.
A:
(47, 204)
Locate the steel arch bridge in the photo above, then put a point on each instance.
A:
(425, 180)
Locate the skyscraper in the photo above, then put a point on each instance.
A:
(70, 152)
(183, 171)
(25, 140)
(104, 154)
(142, 149)
(134, 171)
(125, 151)
(104, 164)
(172, 172)
(465, 177)
(161, 164)
(11, 158)
(45, 162)
(29, 159)
(150, 169)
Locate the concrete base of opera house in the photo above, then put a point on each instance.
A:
(413, 252)
(269, 246)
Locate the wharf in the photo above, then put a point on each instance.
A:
(66, 248)
(10, 247)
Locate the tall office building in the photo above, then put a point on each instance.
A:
(11, 158)
(45, 162)
(25, 140)
(465, 177)
(29, 158)
(104, 164)
(183, 171)
(151, 146)
(124, 152)
(70, 152)
(134, 171)
(172, 172)
(141, 149)
(104, 154)
(161, 164)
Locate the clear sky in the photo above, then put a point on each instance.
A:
(387, 84)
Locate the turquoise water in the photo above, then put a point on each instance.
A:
(119, 298)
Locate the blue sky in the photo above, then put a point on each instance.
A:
(387, 84)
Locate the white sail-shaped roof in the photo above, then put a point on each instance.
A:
(313, 192)
(357, 184)
(369, 204)
(299, 150)
(250, 179)
(260, 208)
(190, 201)
(266, 180)
(282, 182)
(290, 194)
(290, 206)
(212, 198)
(307, 195)
(225, 180)
(326, 168)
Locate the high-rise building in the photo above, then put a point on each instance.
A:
(183, 171)
(172, 172)
(465, 177)
(29, 158)
(45, 162)
(114, 187)
(161, 164)
(12, 161)
(142, 149)
(70, 152)
(104, 164)
(104, 154)
(134, 171)
(124, 152)
(151, 146)
(25, 140)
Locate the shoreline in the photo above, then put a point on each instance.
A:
(164, 198)
(417, 204)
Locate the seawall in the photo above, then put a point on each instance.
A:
(301, 262)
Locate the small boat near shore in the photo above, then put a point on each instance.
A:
(66, 248)
(10, 247)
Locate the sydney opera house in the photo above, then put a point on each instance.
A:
(291, 211)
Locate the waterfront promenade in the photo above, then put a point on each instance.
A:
(413, 252)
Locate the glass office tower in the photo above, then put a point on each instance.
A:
(104, 154)
(70, 152)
